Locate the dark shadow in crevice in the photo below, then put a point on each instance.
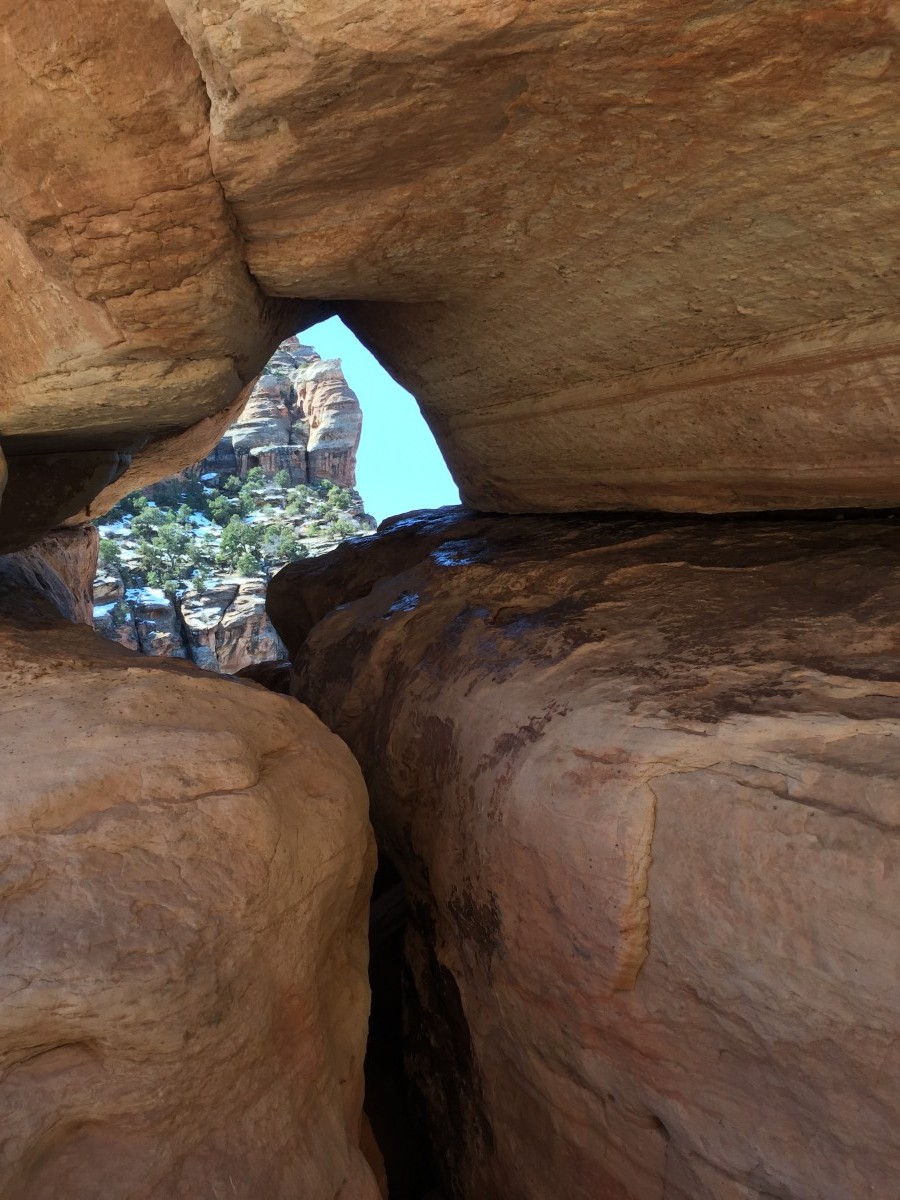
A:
(396, 1121)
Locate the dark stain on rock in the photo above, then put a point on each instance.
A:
(508, 745)
(478, 923)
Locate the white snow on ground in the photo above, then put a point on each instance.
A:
(146, 595)
(103, 610)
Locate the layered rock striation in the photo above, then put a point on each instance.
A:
(639, 779)
(302, 417)
(637, 257)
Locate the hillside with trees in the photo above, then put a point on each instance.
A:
(183, 564)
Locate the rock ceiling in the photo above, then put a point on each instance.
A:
(625, 254)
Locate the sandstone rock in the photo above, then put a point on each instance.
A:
(331, 412)
(623, 256)
(272, 459)
(114, 619)
(276, 676)
(165, 455)
(108, 586)
(203, 615)
(48, 489)
(640, 780)
(72, 553)
(129, 312)
(32, 592)
(304, 592)
(223, 628)
(186, 868)
(227, 627)
(247, 635)
(266, 418)
(301, 417)
(156, 622)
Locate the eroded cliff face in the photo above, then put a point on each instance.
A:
(297, 439)
(188, 865)
(224, 628)
(640, 780)
(302, 417)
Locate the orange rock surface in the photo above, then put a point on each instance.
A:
(186, 871)
(640, 780)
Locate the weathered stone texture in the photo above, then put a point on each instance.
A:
(303, 417)
(331, 413)
(640, 780)
(227, 627)
(625, 255)
(186, 869)
(72, 553)
(128, 309)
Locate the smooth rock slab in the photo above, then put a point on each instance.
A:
(640, 780)
(184, 876)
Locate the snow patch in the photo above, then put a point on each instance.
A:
(147, 595)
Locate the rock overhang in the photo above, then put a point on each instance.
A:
(625, 257)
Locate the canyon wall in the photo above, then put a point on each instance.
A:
(302, 417)
(639, 778)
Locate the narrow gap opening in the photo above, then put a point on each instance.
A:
(184, 566)
(398, 1127)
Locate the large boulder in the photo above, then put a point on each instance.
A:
(130, 317)
(640, 781)
(186, 868)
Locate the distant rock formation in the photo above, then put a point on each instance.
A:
(302, 417)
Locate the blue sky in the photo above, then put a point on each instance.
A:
(399, 466)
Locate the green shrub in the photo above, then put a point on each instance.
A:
(248, 564)
(109, 554)
(221, 509)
